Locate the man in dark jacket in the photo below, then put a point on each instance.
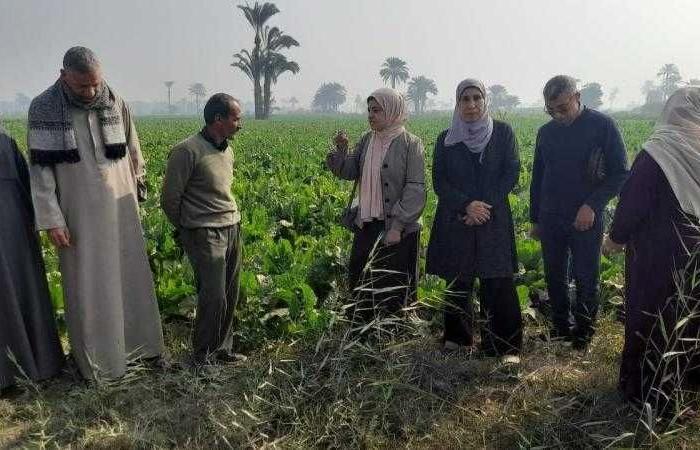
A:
(580, 164)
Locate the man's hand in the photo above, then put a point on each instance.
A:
(535, 232)
(60, 237)
(584, 218)
(479, 212)
(610, 246)
(392, 237)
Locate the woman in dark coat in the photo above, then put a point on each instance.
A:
(656, 221)
(475, 166)
(388, 169)
(29, 343)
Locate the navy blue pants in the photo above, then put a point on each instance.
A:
(569, 253)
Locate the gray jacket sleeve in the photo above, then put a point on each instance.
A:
(410, 205)
(346, 166)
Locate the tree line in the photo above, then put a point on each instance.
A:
(265, 62)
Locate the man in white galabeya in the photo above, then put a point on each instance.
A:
(86, 169)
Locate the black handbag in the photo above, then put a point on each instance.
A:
(349, 214)
(595, 172)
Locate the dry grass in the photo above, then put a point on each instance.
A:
(341, 391)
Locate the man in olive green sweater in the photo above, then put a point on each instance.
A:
(197, 200)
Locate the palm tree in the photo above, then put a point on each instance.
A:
(250, 63)
(499, 98)
(251, 66)
(394, 69)
(264, 63)
(274, 63)
(418, 90)
(198, 91)
(329, 97)
(169, 85)
(670, 76)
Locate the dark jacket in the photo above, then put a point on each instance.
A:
(402, 175)
(488, 250)
(560, 171)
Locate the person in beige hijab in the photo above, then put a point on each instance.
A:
(656, 220)
(387, 166)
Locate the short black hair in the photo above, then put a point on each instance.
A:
(220, 104)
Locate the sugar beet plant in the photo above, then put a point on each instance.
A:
(295, 251)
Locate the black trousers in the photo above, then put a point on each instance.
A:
(569, 253)
(382, 279)
(215, 255)
(502, 324)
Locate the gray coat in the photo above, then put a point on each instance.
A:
(402, 176)
(485, 251)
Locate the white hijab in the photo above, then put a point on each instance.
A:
(675, 146)
(371, 199)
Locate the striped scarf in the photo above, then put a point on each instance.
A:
(51, 136)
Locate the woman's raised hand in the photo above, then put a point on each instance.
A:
(341, 140)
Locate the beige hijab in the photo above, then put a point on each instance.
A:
(675, 146)
(394, 106)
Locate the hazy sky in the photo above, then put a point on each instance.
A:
(517, 43)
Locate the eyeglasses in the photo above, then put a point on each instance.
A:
(560, 109)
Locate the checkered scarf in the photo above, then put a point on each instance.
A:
(51, 136)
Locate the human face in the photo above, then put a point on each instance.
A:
(565, 108)
(84, 85)
(376, 116)
(471, 104)
(234, 122)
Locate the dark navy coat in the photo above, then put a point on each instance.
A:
(459, 177)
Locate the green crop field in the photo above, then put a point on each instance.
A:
(306, 384)
(295, 250)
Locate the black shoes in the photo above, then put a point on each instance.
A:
(556, 335)
(579, 340)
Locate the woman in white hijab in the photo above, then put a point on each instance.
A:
(656, 220)
(475, 167)
(388, 169)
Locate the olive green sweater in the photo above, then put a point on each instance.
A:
(197, 186)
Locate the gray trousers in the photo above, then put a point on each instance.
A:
(215, 255)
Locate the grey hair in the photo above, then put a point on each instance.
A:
(80, 59)
(556, 86)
